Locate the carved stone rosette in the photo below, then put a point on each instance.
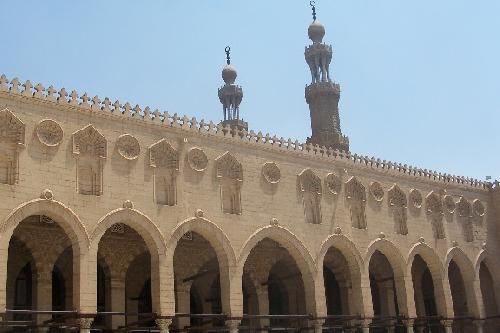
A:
(416, 199)
(128, 146)
(49, 133)
(449, 204)
(377, 191)
(333, 183)
(197, 159)
(478, 207)
(271, 172)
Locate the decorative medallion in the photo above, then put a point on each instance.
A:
(416, 198)
(333, 183)
(377, 191)
(271, 172)
(478, 207)
(197, 159)
(118, 228)
(49, 132)
(128, 146)
(449, 204)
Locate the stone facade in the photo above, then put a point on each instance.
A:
(108, 208)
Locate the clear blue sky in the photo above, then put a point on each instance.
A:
(420, 80)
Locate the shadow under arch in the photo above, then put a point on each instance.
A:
(151, 235)
(65, 218)
(436, 269)
(223, 250)
(354, 260)
(466, 268)
(295, 248)
(398, 265)
(491, 301)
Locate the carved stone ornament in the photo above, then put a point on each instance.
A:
(271, 172)
(381, 235)
(85, 323)
(128, 146)
(229, 167)
(309, 182)
(478, 207)
(338, 231)
(127, 204)
(199, 213)
(464, 208)
(163, 324)
(433, 203)
(197, 159)
(89, 141)
(49, 132)
(397, 197)
(416, 198)
(274, 221)
(377, 191)
(11, 128)
(449, 204)
(333, 183)
(163, 155)
(47, 195)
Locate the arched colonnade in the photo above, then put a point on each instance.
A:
(126, 268)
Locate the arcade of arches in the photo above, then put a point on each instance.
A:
(280, 282)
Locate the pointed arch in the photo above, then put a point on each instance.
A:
(468, 275)
(388, 249)
(134, 219)
(295, 248)
(436, 268)
(65, 217)
(354, 262)
(218, 240)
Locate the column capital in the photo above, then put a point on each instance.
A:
(317, 324)
(163, 324)
(85, 323)
(447, 322)
(232, 325)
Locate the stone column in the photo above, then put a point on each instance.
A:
(448, 325)
(183, 303)
(409, 325)
(232, 325)
(163, 324)
(118, 301)
(263, 301)
(365, 325)
(479, 325)
(317, 324)
(43, 294)
(85, 324)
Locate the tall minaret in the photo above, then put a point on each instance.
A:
(230, 95)
(323, 94)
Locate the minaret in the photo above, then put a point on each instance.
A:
(323, 94)
(230, 95)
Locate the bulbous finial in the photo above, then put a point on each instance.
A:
(229, 73)
(316, 30)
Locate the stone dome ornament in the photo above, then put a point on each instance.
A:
(49, 132)
(47, 194)
(416, 198)
(197, 159)
(271, 172)
(377, 191)
(333, 183)
(478, 208)
(128, 146)
(316, 30)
